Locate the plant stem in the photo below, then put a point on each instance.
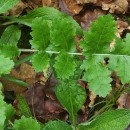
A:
(100, 111)
(50, 52)
(7, 23)
(27, 58)
(71, 53)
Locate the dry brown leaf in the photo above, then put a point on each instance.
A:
(31, 4)
(42, 106)
(63, 8)
(82, 115)
(92, 98)
(121, 101)
(51, 3)
(121, 25)
(117, 6)
(73, 7)
(17, 9)
(86, 1)
(46, 2)
(116, 80)
(89, 17)
(94, 2)
(25, 73)
(127, 105)
(36, 2)
(114, 6)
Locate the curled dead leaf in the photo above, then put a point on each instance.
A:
(116, 6)
(121, 102)
(86, 1)
(92, 97)
(88, 17)
(52, 3)
(24, 72)
(73, 7)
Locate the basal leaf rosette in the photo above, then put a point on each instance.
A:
(5, 65)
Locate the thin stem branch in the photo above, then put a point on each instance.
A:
(71, 53)
(50, 52)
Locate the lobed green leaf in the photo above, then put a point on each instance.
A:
(101, 33)
(10, 35)
(44, 12)
(26, 124)
(5, 65)
(62, 35)
(23, 106)
(6, 5)
(40, 34)
(40, 61)
(119, 59)
(47, 13)
(6, 111)
(9, 40)
(120, 63)
(10, 51)
(9, 112)
(57, 125)
(97, 75)
(122, 47)
(72, 97)
(64, 66)
(2, 109)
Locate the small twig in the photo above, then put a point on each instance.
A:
(10, 123)
(7, 23)
(33, 103)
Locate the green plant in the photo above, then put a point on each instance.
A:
(54, 33)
